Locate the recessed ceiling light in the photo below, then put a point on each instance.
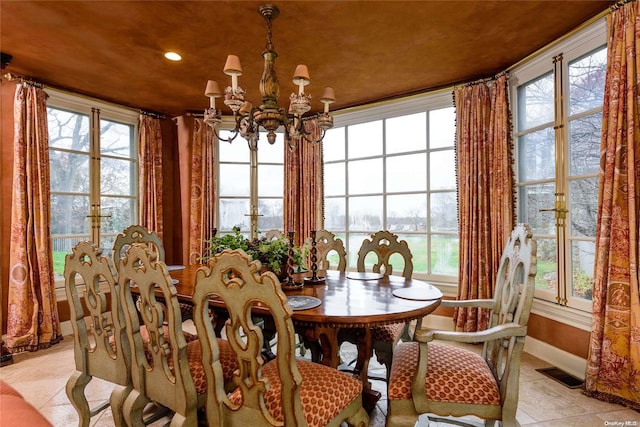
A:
(173, 56)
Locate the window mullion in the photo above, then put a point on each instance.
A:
(94, 172)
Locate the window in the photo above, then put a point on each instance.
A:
(559, 117)
(93, 173)
(240, 197)
(393, 168)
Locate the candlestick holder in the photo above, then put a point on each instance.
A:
(290, 282)
(314, 279)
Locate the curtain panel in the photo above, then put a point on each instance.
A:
(32, 315)
(613, 366)
(150, 174)
(303, 185)
(203, 186)
(486, 200)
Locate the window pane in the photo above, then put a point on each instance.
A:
(334, 179)
(536, 155)
(406, 133)
(116, 177)
(418, 248)
(116, 139)
(583, 207)
(407, 173)
(444, 255)
(69, 172)
(121, 211)
(69, 214)
(442, 175)
(365, 139)
(233, 214)
(444, 212)
(355, 242)
(407, 212)
(547, 265)
(234, 180)
(365, 176)
(270, 180)
(365, 213)
(531, 199)
(586, 82)
(268, 153)
(442, 127)
(582, 262)
(237, 151)
(271, 211)
(335, 214)
(584, 145)
(535, 102)
(68, 130)
(333, 145)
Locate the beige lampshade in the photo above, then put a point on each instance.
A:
(301, 75)
(213, 89)
(232, 66)
(328, 96)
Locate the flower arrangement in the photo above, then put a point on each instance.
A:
(273, 254)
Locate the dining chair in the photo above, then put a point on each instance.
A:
(139, 234)
(326, 242)
(101, 349)
(283, 391)
(167, 371)
(383, 245)
(429, 377)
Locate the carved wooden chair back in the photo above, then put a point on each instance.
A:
(160, 370)
(101, 348)
(273, 234)
(385, 244)
(452, 381)
(136, 234)
(267, 394)
(326, 242)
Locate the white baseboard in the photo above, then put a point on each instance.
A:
(570, 363)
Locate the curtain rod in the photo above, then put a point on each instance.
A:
(43, 85)
(619, 4)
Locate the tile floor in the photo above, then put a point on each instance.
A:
(41, 378)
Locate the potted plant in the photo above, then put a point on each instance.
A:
(273, 254)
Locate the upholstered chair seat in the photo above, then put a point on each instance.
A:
(328, 391)
(454, 375)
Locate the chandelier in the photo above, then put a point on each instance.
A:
(268, 116)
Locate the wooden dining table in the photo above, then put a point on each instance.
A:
(347, 300)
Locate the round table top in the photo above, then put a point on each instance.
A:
(347, 302)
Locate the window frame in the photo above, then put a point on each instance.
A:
(73, 103)
(423, 103)
(574, 46)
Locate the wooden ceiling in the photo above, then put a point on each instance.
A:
(367, 50)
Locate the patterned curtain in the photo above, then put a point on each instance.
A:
(613, 368)
(150, 179)
(303, 186)
(203, 185)
(32, 316)
(486, 201)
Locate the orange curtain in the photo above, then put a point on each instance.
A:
(150, 178)
(303, 185)
(486, 202)
(613, 367)
(32, 316)
(203, 185)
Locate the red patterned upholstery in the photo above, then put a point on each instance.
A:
(145, 337)
(228, 361)
(388, 333)
(324, 392)
(453, 375)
